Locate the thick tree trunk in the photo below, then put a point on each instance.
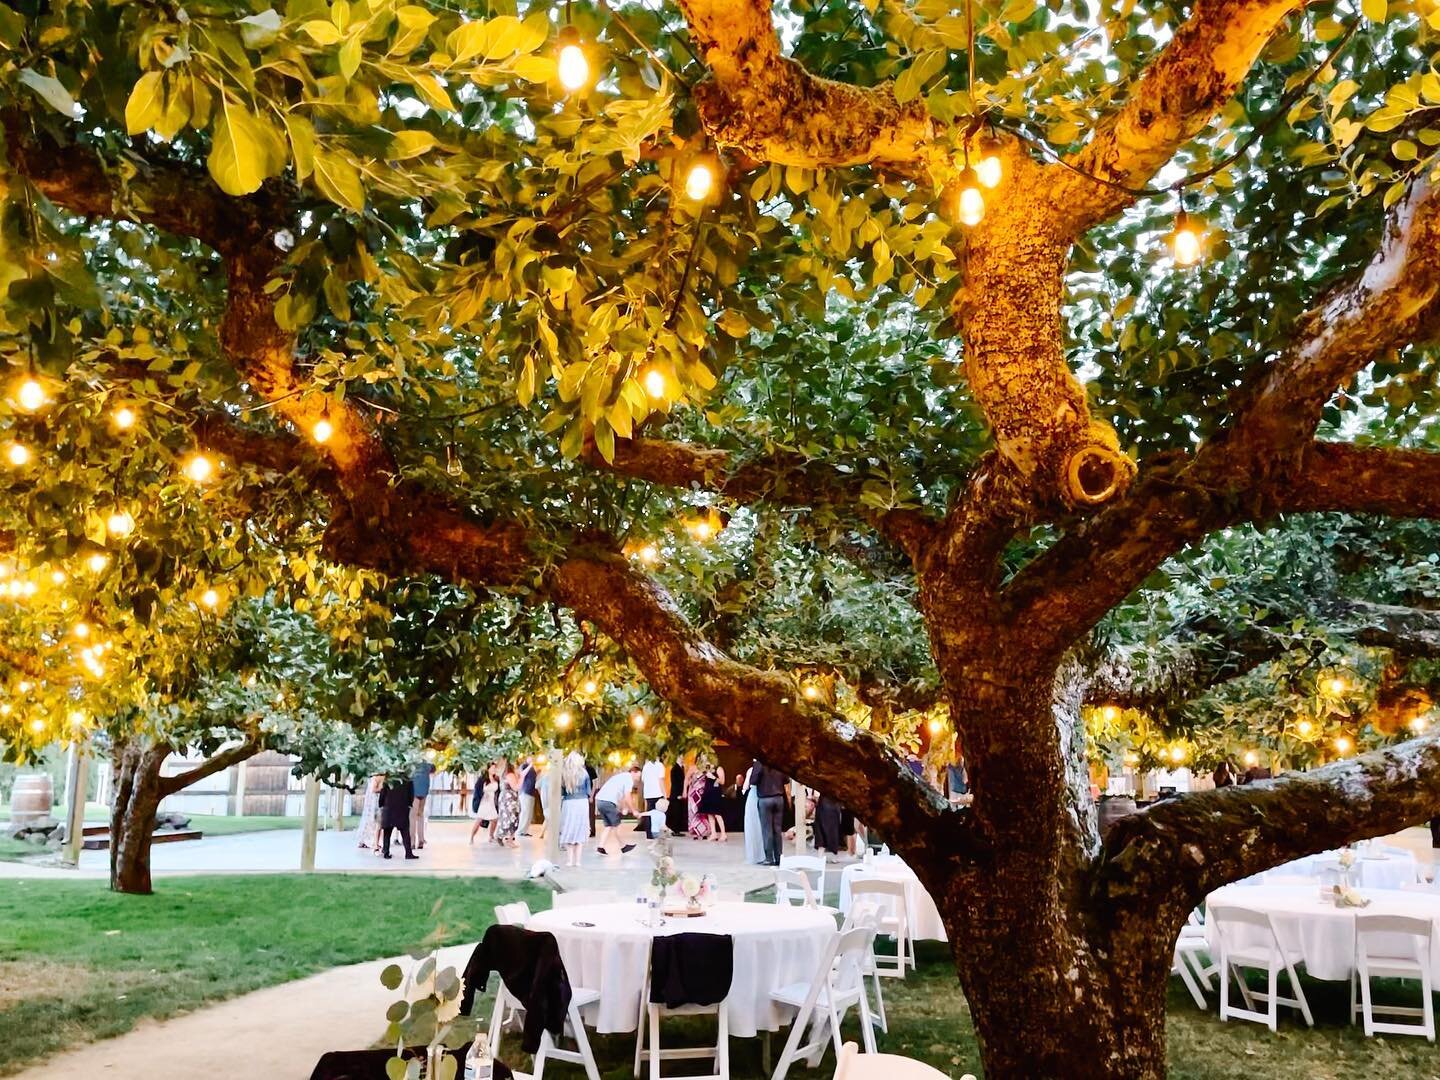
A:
(132, 819)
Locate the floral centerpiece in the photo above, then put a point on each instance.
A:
(664, 875)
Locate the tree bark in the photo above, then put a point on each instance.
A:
(138, 792)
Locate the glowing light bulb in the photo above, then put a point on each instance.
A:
(935, 727)
(97, 562)
(57, 577)
(1304, 728)
(1163, 753)
(988, 171)
(23, 686)
(200, 469)
(590, 686)
(81, 630)
(31, 395)
(37, 726)
(574, 65)
(704, 530)
(124, 418)
(1177, 753)
(1252, 758)
(6, 708)
(120, 524)
(18, 454)
(1334, 686)
(699, 182)
(1109, 713)
(1132, 758)
(322, 431)
(972, 205)
(649, 554)
(1344, 744)
(811, 691)
(655, 383)
(1185, 241)
(563, 719)
(638, 720)
(210, 598)
(1419, 724)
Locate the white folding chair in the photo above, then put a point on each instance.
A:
(838, 983)
(1194, 942)
(812, 866)
(508, 1003)
(892, 899)
(867, 913)
(793, 885)
(1238, 928)
(1393, 947)
(583, 897)
(516, 914)
(853, 1065)
(651, 1013)
(1186, 947)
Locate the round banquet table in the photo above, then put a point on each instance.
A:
(775, 945)
(1323, 934)
(923, 915)
(1388, 870)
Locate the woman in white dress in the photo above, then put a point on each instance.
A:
(754, 838)
(575, 808)
(370, 815)
(487, 812)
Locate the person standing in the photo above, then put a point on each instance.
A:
(712, 801)
(507, 807)
(652, 790)
(677, 810)
(575, 807)
(420, 781)
(827, 826)
(772, 789)
(370, 815)
(754, 840)
(396, 800)
(527, 796)
(616, 796)
(694, 797)
(487, 801)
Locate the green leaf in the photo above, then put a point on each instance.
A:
(395, 1068)
(392, 977)
(52, 90)
(240, 157)
(536, 69)
(409, 144)
(322, 31)
(350, 54)
(146, 104)
(302, 143)
(339, 180)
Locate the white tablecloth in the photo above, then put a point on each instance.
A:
(925, 923)
(1323, 933)
(774, 946)
(1388, 871)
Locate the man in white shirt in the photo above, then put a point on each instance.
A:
(615, 795)
(652, 786)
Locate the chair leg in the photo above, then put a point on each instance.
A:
(1273, 988)
(722, 1042)
(1299, 994)
(1225, 974)
(654, 1042)
(640, 1027)
(867, 1026)
(1427, 1006)
(1188, 978)
(766, 1055)
(879, 1003)
(537, 1068)
(787, 1055)
(1366, 1005)
(497, 1021)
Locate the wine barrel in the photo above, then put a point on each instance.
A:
(32, 798)
(1112, 810)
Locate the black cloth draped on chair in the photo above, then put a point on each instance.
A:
(691, 969)
(529, 964)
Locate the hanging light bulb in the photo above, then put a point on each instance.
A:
(210, 598)
(1304, 728)
(200, 469)
(1252, 758)
(1109, 713)
(935, 727)
(573, 65)
(590, 686)
(1419, 724)
(811, 691)
(1344, 744)
(563, 719)
(648, 554)
(57, 577)
(699, 181)
(1335, 686)
(124, 418)
(81, 630)
(97, 562)
(989, 171)
(655, 383)
(18, 454)
(322, 431)
(1186, 240)
(1177, 753)
(638, 720)
(31, 395)
(37, 725)
(969, 201)
(120, 524)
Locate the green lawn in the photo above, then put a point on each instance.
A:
(77, 962)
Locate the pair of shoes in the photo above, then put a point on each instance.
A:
(627, 847)
(602, 851)
(412, 856)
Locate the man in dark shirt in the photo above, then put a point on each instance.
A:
(527, 797)
(771, 789)
(397, 795)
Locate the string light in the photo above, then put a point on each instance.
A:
(200, 469)
(18, 454)
(699, 181)
(573, 65)
(124, 418)
(1185, 240)
(120, 524)
(811, 691)
(37, 725)
(1335, 686)
(590, 686)
(1110, 713)
(97, 562)
(1419, 724)
(57, 577)
(969, 201)
(210, 598)
(81, 630)
(935, 727)
(1177, 753)
(31, 395)
(1344, 744)
(649, 554)
(1304, 728)
(989, 171)
(563, 719)
(1251, 758)
(322, 431)
(638, 720)
(23, 686)
(655, 383)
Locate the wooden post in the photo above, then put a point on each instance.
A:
(312, 822)
(556, 795)
(76, 785)
(802, 798)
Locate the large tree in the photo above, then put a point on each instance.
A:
(377, 258)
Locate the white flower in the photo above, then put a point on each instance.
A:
(690, 886)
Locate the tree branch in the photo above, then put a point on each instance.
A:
(782, 478)
(169, 785)
(1210, 838)
(1178, 94)
(1364, 480)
